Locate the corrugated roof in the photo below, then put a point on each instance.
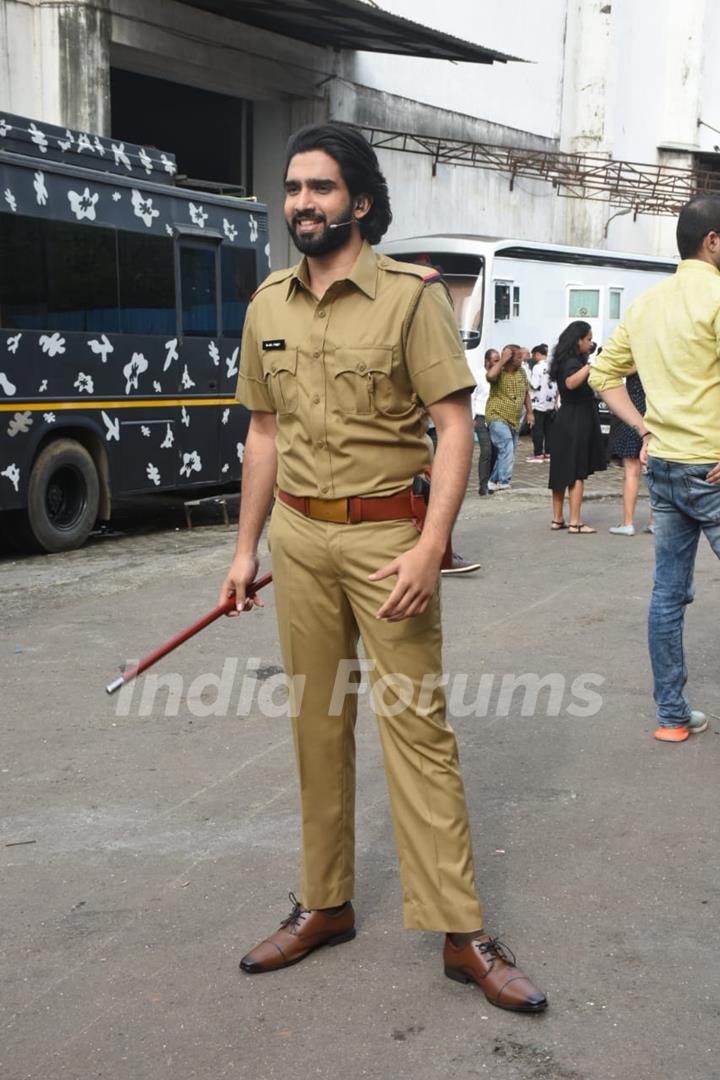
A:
(354, 25)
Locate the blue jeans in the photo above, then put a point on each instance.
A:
(504, 439)
(683, 504)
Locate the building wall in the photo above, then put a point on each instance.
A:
(449, 198)
(54, 62)
(627, 80)
(526, 96)
(657, 94)
(291, 86)
(610, 78)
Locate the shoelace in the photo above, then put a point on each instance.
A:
(295, 917)
(497, 948)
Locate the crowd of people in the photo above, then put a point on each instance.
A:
(551, 394)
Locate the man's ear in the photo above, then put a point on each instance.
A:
(361, 206)
(711, 243)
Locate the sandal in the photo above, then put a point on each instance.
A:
(557, 525)
(581, 529)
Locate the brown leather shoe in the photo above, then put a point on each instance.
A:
(489, 963)
(298, 935)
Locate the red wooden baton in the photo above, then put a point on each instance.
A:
(153, 657)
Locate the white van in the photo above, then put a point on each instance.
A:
(526, 292)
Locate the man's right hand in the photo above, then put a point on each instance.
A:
(713, 477)
(243, 570)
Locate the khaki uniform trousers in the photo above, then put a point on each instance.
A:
(324, 604)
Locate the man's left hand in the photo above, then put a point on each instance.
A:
(417, 573)
(530, 420)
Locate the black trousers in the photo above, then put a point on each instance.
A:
(486, 453)
(541, 431)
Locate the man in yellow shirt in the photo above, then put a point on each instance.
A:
(341, 355)
(509, 391)
(672, 335)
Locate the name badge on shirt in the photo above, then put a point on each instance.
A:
(274, 343)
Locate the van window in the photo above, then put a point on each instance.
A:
(198, 288)
(23, 293)
(238, 272)
(463, 275)
(146, 271)
(615, 301)
(55, 275)
(502, 300)
(584, 303)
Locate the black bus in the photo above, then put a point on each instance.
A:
(122, 301)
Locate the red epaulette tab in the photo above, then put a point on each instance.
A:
(432, 275)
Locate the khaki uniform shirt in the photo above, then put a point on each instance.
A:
(349, 375)
(507, 397)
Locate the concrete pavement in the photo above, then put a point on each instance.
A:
(143, 853)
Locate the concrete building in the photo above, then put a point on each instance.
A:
(222, 84)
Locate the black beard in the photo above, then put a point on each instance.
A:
(326, 241)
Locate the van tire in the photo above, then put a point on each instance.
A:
(63, 496)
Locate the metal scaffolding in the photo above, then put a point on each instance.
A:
(645, 189)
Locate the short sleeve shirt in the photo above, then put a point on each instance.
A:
(507, 397)
(543, 391)
(349, 376)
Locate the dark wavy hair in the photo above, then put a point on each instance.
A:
(359, 168)
(567, 345)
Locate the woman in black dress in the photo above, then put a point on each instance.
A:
(576, 446)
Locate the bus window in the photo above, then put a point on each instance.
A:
(147, 284)
(23, 294)
(502, 301)
(57, 276)
(615, 300)
(584, 303)
(198, 288)
(238, 274)
(81, 277)
(516, 302)
(463, 275)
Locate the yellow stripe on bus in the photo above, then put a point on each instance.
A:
(119, 403)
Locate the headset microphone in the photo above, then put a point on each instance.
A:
(342, 224)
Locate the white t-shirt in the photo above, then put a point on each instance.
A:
(481, 393)
(543, 391)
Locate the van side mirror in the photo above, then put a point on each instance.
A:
(470, 338)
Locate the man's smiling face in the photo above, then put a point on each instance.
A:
(316, 197)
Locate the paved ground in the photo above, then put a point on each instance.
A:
(143, 853)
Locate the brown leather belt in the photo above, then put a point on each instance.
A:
(356, 509)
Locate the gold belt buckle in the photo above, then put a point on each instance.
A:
(333, 510)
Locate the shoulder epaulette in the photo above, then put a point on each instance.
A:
(428, 274)
(276, 278)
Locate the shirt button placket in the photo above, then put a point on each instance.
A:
(318, 414)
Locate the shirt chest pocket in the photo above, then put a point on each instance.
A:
(280, 367)
(362, 381)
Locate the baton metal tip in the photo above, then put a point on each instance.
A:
(113, 686)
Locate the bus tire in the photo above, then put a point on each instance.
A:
(63, 496)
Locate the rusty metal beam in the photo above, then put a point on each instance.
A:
(647, 189)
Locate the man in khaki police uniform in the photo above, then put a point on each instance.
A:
(340, 355)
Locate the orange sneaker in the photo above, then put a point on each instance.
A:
(697, 723)
(672, 734)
